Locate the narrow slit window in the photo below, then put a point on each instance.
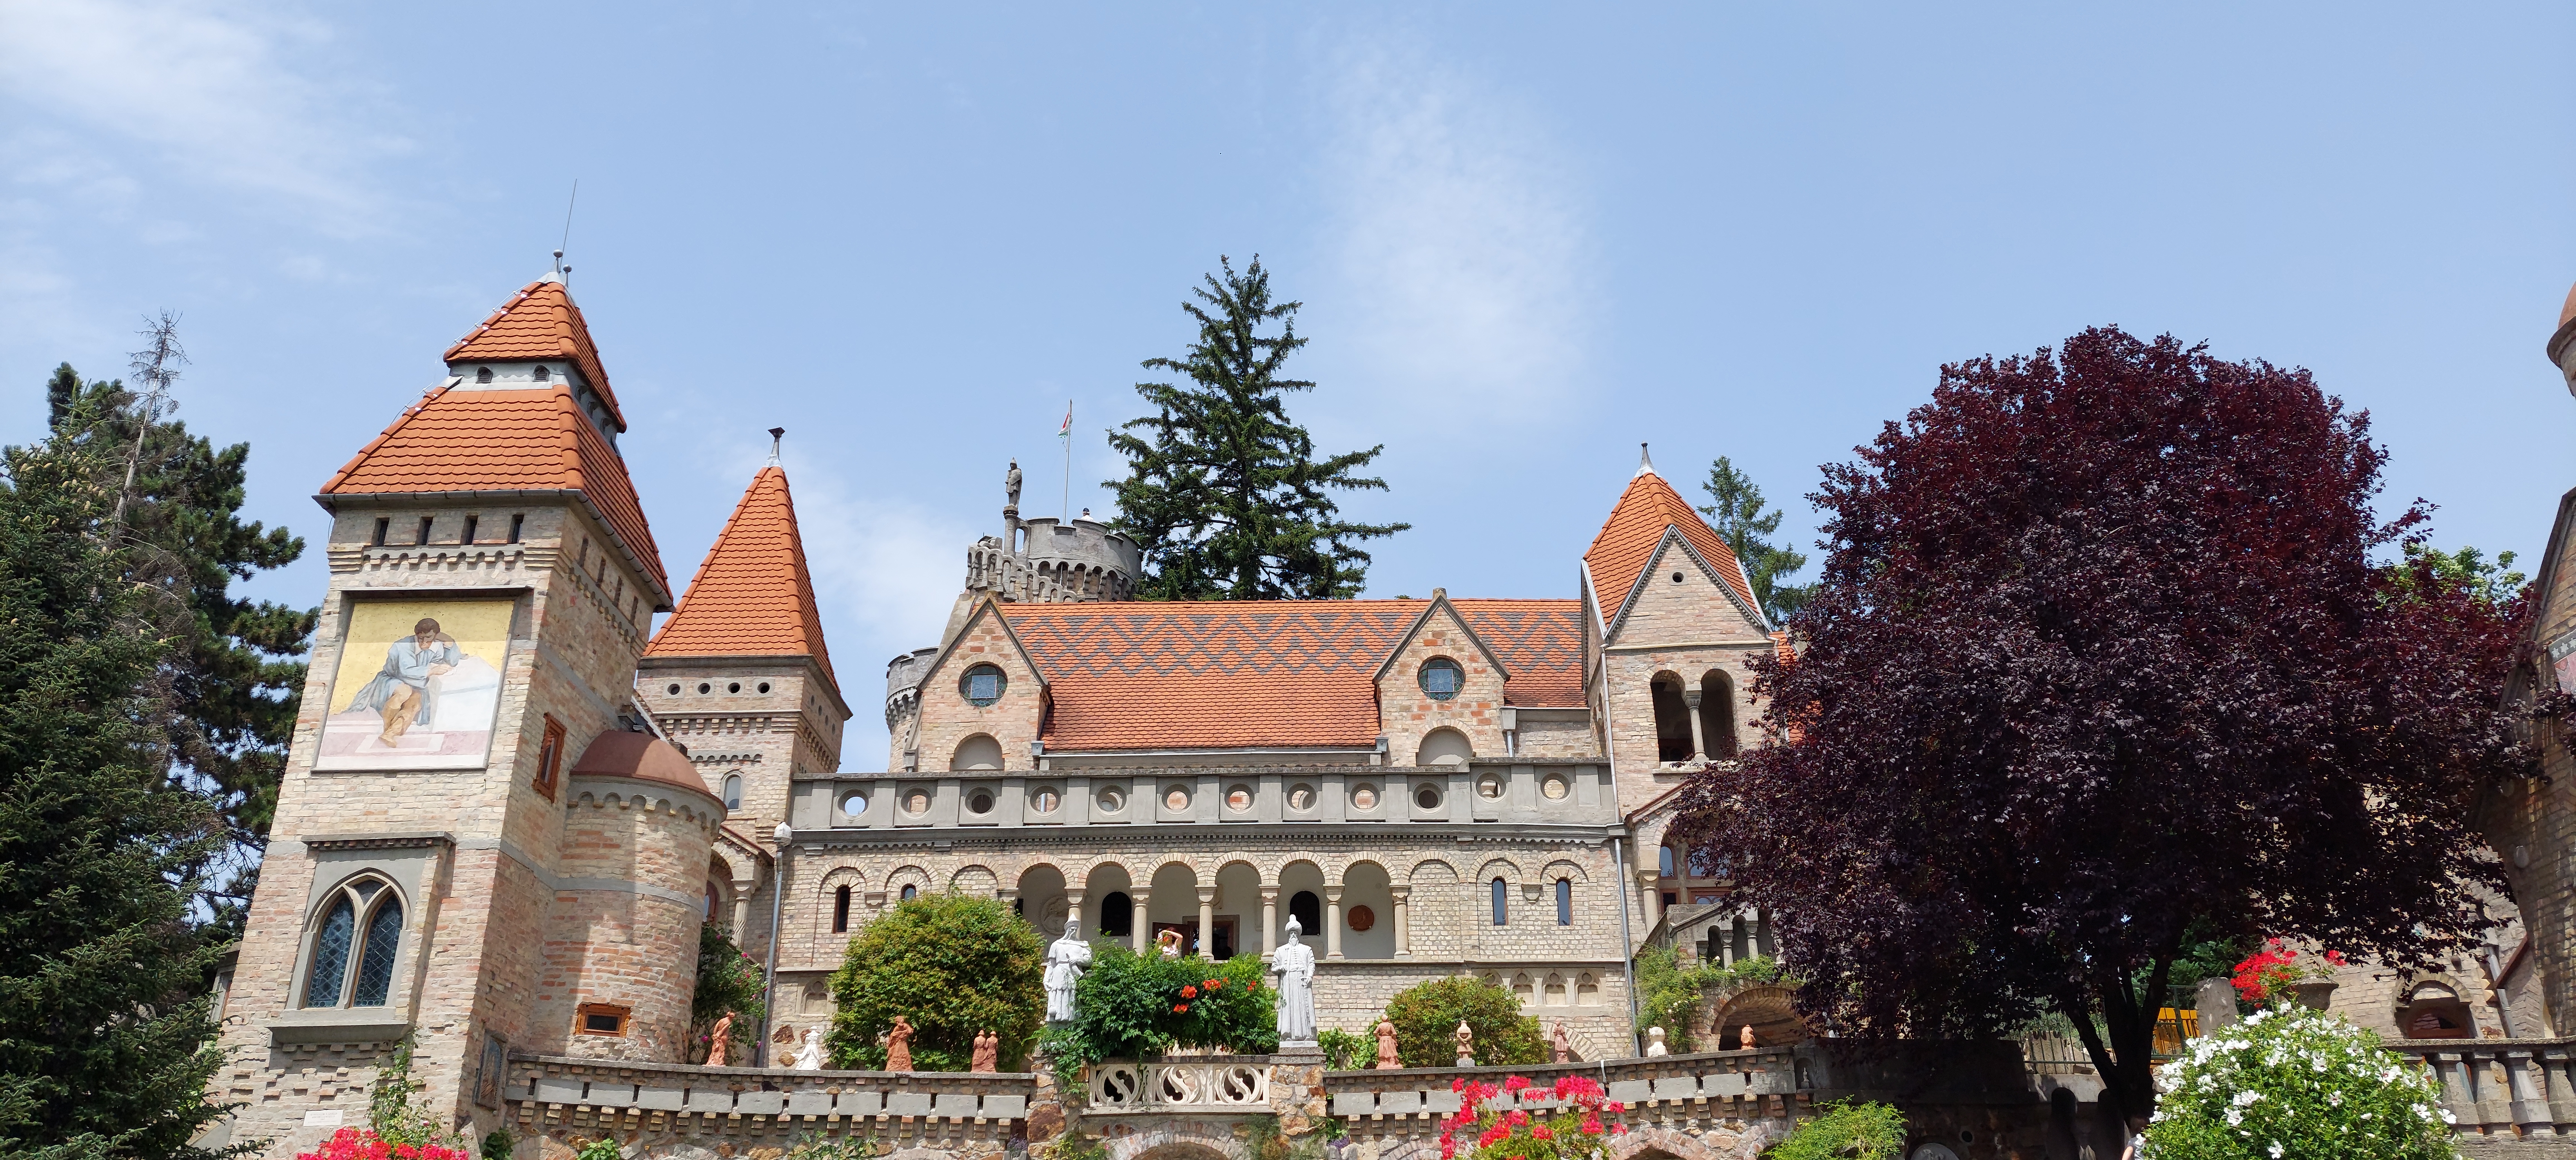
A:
(516, 522)
(1564, 902)
(468, 536)
(383, 526)
(1500, 913)
(549, 758)
(841, 911)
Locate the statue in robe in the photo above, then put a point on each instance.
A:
(1562, 1046)
(1011, 482)
(1066, 960)
(720, 1041)
(1295, 963)
(988, 1052)
(810, 1056)
(1466, 1044)
(1655, 1043)
(899, 1045)
(1748, 1037)
(1386, 1060)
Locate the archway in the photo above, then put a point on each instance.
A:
(1672, 719)
(1717, 712)
(1770, 1011)
(1444, 747)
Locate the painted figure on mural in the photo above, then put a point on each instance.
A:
(1295, 963)
(899, 1045)
(401, 692)
(1066, 961)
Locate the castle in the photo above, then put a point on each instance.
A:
(511, 802)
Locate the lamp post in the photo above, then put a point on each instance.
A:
(769, 985)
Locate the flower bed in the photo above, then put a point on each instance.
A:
(1489, 1134)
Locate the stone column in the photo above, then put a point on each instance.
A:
(1073, 909)
(1332, 922)
(1207, 922)
(1654, 908)
(742, 892)
(1140, 929)
(1403, 923)
(1699, 744)
(1269, 921)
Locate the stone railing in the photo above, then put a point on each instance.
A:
(2503, 1087)
(1670, 1090)
(1204, 1084)
(562, 1097)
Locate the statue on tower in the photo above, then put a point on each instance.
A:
(1011, 483)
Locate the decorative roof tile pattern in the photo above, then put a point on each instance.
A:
(456, 440)
(1635, 528)
(754, 595)
(1257, 674)
(541, 323)
(1540, 643)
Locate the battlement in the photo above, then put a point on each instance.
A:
(1055, 562)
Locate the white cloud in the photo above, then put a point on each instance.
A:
(238, 100)
(1459, 238)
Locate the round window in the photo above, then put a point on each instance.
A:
(1427, 797)
(1362, 918)
(1301, 797)
(1364, 796)
(980, 802)
(1677, 577)
(675, 690)
(916, 802)
(704, 687)
(982, 685)
(1239, 798)
(1489, 786)
(764, 686)
(1044, 799)
(1441, 677)
(735, 687)
(854, 804)
(1554, 788)
(1111, 799)
(1176, 798)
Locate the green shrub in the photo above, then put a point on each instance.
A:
(1344, 1051)
(1426, 1017)
(1841, 1129)
(2290, 1083)
(728, 980)
(1138, 1005)
(951, 964)
(1669, 990)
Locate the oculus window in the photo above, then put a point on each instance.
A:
(1442, 678)
(982, 685)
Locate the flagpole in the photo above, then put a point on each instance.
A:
(1064, 514)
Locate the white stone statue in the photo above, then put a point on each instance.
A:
(1655, 1043)
(810, 1056)
(1067, 958)
(1295, 963)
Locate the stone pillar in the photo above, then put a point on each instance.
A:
(742, 892)
(1207, 922)
(1699, 744)
(1073, 909)
(1269, 921)
(1332, 922)
(1654, 908)
(1403, 922)
(1140, 929)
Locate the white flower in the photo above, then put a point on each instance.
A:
(2246, 1099)
(2235, 1117)
(2276, 1152)
(2448, 1118)
(2335, 1097)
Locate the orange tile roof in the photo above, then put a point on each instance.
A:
(1635, 528)
(541, 323)
(754, 595)
(466, 440)
(1253, 674)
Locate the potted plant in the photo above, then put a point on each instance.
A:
(2278, 970)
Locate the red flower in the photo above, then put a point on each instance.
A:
(1448, 1150)
(1542, 1132)
(1189, 992)
(1516, 1083)
(1180, 1008)
(1459, 1084)
(1213, 984)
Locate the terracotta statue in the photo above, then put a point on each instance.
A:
(988, 1052)
(720, 1041)
(1747, 1038)
(1386, 1060)
(1562, 1049)
(1466, 1044)
(899, 1045)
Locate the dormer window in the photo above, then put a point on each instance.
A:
(540, 373)
(482, 374)
(982, 685)
(1442, 678)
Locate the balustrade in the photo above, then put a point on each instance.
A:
(1193, 1085)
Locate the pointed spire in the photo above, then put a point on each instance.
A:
(754, 595)
(539, 322)
(1645, 462)
(1626, 545)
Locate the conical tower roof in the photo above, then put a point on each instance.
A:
(753, 596)
(1635, 529)
(540, 323)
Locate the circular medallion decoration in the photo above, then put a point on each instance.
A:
(1362, 918)
(1554, 788)
(1176, 798)
(1239, 798)
(1301, 797)
(1111, 799)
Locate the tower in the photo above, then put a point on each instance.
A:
(492, 579)
(740, 677)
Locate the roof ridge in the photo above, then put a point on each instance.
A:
(408, 414)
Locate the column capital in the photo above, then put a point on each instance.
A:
(1691, 697)
(1333, 893)
(1207, 894)
(1269, 894)
(1401, 893)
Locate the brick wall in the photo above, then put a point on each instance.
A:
(1407, 714)
(947, 718)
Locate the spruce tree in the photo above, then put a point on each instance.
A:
(1224, 494)
(227, 691)
(1737, 515)
(106, 1032)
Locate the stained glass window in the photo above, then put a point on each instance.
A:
(376, 966)
(331, 956)
(1441, 677)
(982, 685)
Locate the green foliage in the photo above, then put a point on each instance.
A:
(728, 980)
(2290, 1084)
(228, 688)
(1426, 1017)
(497, 1144)
(1224, 494)
(2467, 570)
(389, 1110)
(1669, 990)
(952, 965)
(1737, 515)
(106, 1033)
(1137, 1005)
(603, 1148)
(817, 1146)
(1076, 1146)
(1844, 1128)
(1344, 1051)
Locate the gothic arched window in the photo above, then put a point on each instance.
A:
(359, 935)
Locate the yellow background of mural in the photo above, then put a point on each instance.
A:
(481, 628)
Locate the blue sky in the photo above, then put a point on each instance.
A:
(1528, 238)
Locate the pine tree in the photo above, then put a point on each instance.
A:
(106, 1034)
(1223, 493)
(227, 694)
(1737, 516)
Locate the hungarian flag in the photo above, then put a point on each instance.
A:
(1066, 432)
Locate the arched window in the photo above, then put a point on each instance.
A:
(1717, 712)
(1672, 719)
(709, 914)
(1554, 993)
(841, 911)
(977, 752)
(1564, 902)
(910, 892)
(1308, 910)
(482, 374)
(1444, 747)
(1499, 912)
(1117, 914)
(540, 374)
(733, 791)
(355, 948)
(1664, 862)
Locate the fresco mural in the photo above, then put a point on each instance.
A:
(418, 685)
